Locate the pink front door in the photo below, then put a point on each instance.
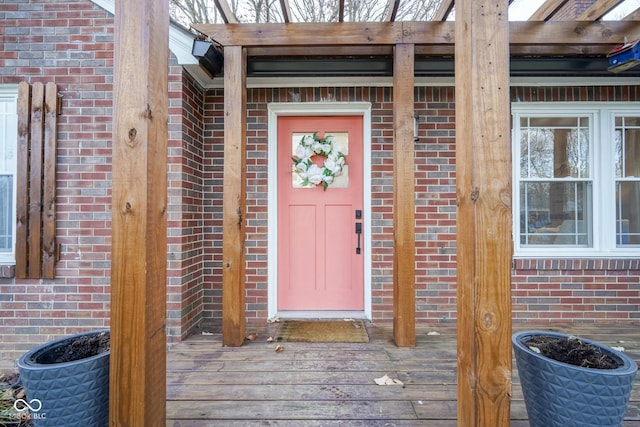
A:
(319, 264)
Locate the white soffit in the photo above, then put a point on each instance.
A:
(180, 40)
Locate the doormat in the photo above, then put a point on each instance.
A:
(322, 331)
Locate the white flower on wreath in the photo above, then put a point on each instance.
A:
(311, 173)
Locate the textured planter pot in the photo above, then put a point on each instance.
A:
(68, 394)
(558, 394)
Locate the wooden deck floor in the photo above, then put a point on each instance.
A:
(333, 384)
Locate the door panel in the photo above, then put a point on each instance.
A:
(318, 267)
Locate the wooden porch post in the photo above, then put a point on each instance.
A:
(404, 306)
(234, 197)
(484, 243)
(139, 205)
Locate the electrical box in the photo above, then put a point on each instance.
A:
(624, 57)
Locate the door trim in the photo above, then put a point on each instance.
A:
(362, 109)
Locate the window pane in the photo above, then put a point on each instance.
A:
(627, 146)
(555, 148)
(627, 213)
(555, 213)
(627, 157)
(6, 213)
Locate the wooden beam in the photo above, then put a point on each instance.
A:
(484, 246)
(340, 10)
(234, 197)
(444, 9)
(286, 11)
(404, 269)
(547, 10)
(556, 34)
(139, 208)
(392, 10)
(598, 10)
(225, 12)
(432, 50)
(633, 16)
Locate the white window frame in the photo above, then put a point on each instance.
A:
(602, 172)
(9, 93)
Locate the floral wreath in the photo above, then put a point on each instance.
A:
(309, 172)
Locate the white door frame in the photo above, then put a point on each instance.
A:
(276, 109)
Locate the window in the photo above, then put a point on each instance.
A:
(8, 149)
(577, 179)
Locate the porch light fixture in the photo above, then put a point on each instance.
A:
(416, 119)
(209, 56)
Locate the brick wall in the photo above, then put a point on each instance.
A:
(571, 10)
(71, 43)
(542, 293)
(583, 290)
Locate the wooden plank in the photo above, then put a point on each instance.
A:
(547, 10)
(484, 247)
(598, 9)
(286, 11)
(293, 409)
(36, 158)
(633, 16)
(432, 50)
(302, 34)
(392, 10)
(225, 12)
(139, 206)
(22, 179)
(444, 9)
(552, 33)
(234, 197)
(446, 376)
(49, 178)
(311, 392)
(404, 303)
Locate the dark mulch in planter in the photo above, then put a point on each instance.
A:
(76, 348)
(571, 350)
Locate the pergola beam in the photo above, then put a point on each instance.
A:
(392, 10)
(598, 10)
(483, 216)
(139, 214)
(443, 11)
(404, 236)
(234, 196)
(547, 10)
(225, 12)
(286, 11)
(559, 36)
(633, 16)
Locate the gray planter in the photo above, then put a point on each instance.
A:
(558, 394)
(70, 394)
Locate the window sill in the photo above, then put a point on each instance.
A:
(577, 263)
